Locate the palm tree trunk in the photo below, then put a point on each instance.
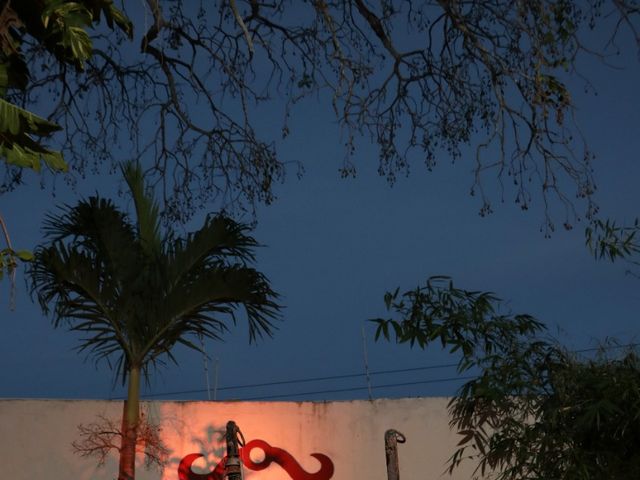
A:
(130, 418)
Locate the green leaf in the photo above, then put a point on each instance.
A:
(78, 40)
(121, 20)
(15, 154)
(15, 120)
(55, 161)
(24, 255)
(61, 15)
(16, 143)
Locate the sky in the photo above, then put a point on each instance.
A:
(333, 247)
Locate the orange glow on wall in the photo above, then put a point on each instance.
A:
(284, 440)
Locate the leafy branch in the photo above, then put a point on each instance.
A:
(420, 80)
(610, 241)
(9, 259)
(533, 411)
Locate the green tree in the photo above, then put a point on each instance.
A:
(423, 79)
(135, 291)
(532, 410)
(611, 241)
(56, 28)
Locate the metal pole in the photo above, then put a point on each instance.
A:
(206, 367)
(234, 439)
(366, 363)
(391, 440)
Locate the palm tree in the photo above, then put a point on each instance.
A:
(135, 290)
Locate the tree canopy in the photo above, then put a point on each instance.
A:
(421, 79)
(532, 410)
(54, 29)
(613, 241)
(136, 290)
(52, 34)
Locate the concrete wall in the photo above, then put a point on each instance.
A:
(36, 437)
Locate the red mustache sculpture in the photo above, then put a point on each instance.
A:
(271, 454)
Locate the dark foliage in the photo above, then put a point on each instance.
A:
(533, 411)
(420, 79)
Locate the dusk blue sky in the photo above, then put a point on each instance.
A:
(334, 246)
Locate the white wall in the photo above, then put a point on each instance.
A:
(36, 436)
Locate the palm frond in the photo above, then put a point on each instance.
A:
(96, 227)
(204, 303)
(147, 210)
(67, 284)
(219, 239)
(134, 295)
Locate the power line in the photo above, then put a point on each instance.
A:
(609, 347)
(423, 382)
(306, 380)
(353, 389)
(354, 375)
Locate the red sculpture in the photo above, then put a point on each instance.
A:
(185, 472)
(271, 454)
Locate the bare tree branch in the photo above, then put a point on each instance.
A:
(98, 439)
(423, 80)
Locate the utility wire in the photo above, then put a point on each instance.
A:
(305, 380)
(609, 347)
(353, 389)
(355, 375)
